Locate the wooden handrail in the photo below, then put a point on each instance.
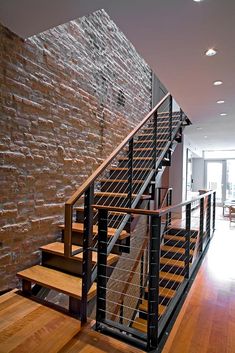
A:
(159, 212)
(107, 161)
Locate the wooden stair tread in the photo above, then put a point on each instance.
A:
(53, 279)
(176, 249)
(58, 249)
(79, 227)
(144, 141)
(147, 148)
(172, 262)
(171, 276)
(136, 158)
(137, 169)
(140, 324)
(144, 307)
(81, 209)
(178, 238)
(120, 195)
(121, 181)
(165, 292)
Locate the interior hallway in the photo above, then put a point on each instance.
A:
(206, 323)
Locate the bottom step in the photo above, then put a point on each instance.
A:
(56, 280)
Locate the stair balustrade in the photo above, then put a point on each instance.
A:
(126, 178)
(137, 301)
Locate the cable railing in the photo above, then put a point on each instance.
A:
(125, 180)
(136, 300)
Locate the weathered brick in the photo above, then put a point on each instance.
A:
(61, 116)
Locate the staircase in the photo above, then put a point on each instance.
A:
(127, 180)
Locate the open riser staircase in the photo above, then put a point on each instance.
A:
(127, 180)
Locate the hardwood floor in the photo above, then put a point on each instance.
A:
(206, 323)
(27, 326)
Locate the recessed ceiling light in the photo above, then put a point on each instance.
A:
(205, 137)
(198, 0)
(217, 83)
(211, 52)
(220, 102)
(223, 114)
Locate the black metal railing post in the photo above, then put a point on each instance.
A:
(187, 240)
(130, 172)
(159, 197)
(121, 313)
(155, 116)
(214, 208)
(153, 286)
(208, 217)
(141, 275)
(87, 253)
(170, 118)
(102, 266)
(169, 203)
(201, 229)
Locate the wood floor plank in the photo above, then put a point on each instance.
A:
(35, 328)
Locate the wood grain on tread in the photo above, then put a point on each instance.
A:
(58, 249)
(126, 169)
(62, 282)
(120, 195)
(147, 148)
(171, 277)
(175, 249)
(79, 227)
(172, 262)
(27, 326)
(178, 238)
(137, 158)
(144, 307)
(165, 292)
(140, 325)
(121, 181)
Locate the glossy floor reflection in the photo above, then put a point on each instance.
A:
(206, 323)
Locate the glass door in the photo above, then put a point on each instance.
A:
(215, 179)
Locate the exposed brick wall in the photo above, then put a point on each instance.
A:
(68, 97)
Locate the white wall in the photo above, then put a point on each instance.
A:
(198, 174)
(176, 174)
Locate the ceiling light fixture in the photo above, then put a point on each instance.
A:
(198, 0)
(211, 52)
(223, 114)
(218, 83)
(205, 137)
(220, 102)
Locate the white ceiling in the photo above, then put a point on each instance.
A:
(172, 36)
